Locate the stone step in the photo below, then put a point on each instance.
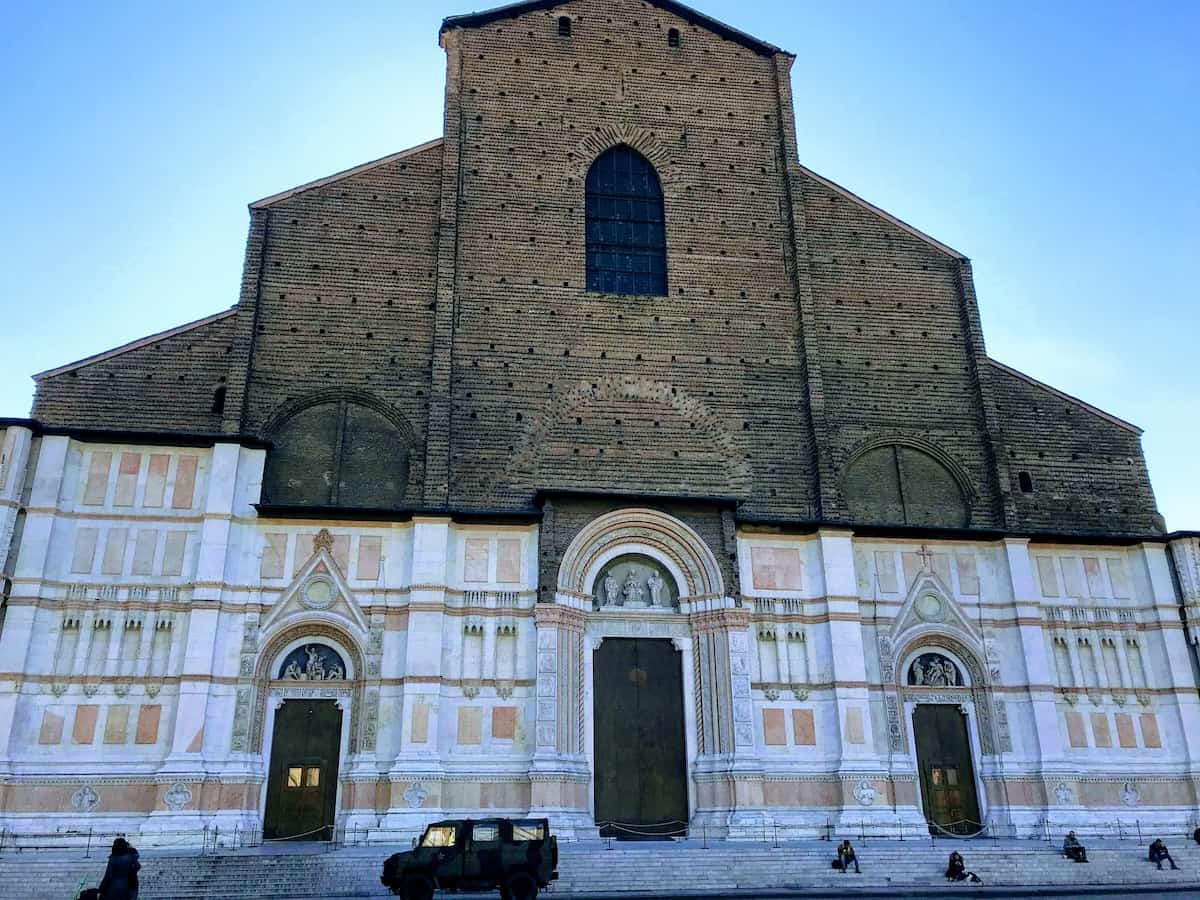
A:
(645, 868)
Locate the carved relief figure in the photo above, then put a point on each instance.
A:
(610, 590)
(314, 662)
(633, 591)
(933, 670)
(655, 585)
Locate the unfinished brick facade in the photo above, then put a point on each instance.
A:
(801, 327)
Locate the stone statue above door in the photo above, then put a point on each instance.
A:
(634, 581)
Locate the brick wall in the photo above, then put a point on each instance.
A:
(447, 283)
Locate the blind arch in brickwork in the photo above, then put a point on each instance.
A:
(338, 449)
(898, 481)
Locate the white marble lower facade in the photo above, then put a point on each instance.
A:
(150, 610)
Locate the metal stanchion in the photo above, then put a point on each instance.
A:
(88, 851)
(1138, 823)
(775, 826)
(704, 833)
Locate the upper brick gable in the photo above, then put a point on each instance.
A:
(165, 382)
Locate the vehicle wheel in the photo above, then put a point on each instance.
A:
(417, 886)
(520, 886)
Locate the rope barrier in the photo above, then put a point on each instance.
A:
(292, 837)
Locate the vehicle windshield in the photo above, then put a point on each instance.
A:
(438, 836)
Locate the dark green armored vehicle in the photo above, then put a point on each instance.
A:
(518, 856)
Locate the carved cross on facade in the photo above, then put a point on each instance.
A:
(926, 558)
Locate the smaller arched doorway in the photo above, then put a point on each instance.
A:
(307, 735)
(937, 688)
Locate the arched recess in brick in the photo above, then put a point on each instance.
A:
(905, 481)
(605, 137)
(645, 435)
(338, 448)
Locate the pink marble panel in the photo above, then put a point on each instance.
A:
(508, 560)
(370, 553)
(173, 551)
(804, 727)
(274, 554)
(1101, 736)
(1120, 581)
(114, 551)
(85, 550)
(1125, 736)
(147, 724)
(1150, 736)
(52, 725)
(774, 727)
(116, 724)
(96, 488)
(84, 730)
(475, 554)
(1047, 576)
(968, 574)
(855, 733)
(470, 721)
(1076, 733)
(127, 476)
(185, 483)
(885, 571)
(420, 723)
(156, 480)
(1095, 580)
(143, 551)
(504, 722)
(776, 568)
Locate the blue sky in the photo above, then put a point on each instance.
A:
(1057, 145)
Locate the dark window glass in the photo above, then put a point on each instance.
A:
(218, 404)
(1026, 482)
(673, 37)
(626, 235)
(564, 26)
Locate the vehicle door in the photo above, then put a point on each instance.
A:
(483, 860)
(446, 842)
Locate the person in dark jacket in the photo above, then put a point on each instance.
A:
(120, 880)
(1159, 852)
(1072, 849)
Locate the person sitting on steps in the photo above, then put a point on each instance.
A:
(1159, 852)
(846, 855)
(956, 870)
(1196, 835)
(1072, 849)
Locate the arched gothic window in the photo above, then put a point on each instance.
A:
(626, 236)
(337, 453)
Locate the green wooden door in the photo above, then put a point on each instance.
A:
(302, 785)
(641, 761)
(947, 775)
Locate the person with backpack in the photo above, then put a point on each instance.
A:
(1159, 852)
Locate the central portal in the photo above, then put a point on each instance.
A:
(947, 776)
(640, 756)
(302, 785)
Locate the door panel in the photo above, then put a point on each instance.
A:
(302, 786)
(640, 755)
(947, 774)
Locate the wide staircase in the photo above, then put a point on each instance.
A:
(597, 868)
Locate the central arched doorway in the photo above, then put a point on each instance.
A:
(307, 736)
(945, 760)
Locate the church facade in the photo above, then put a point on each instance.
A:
(595, 460)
